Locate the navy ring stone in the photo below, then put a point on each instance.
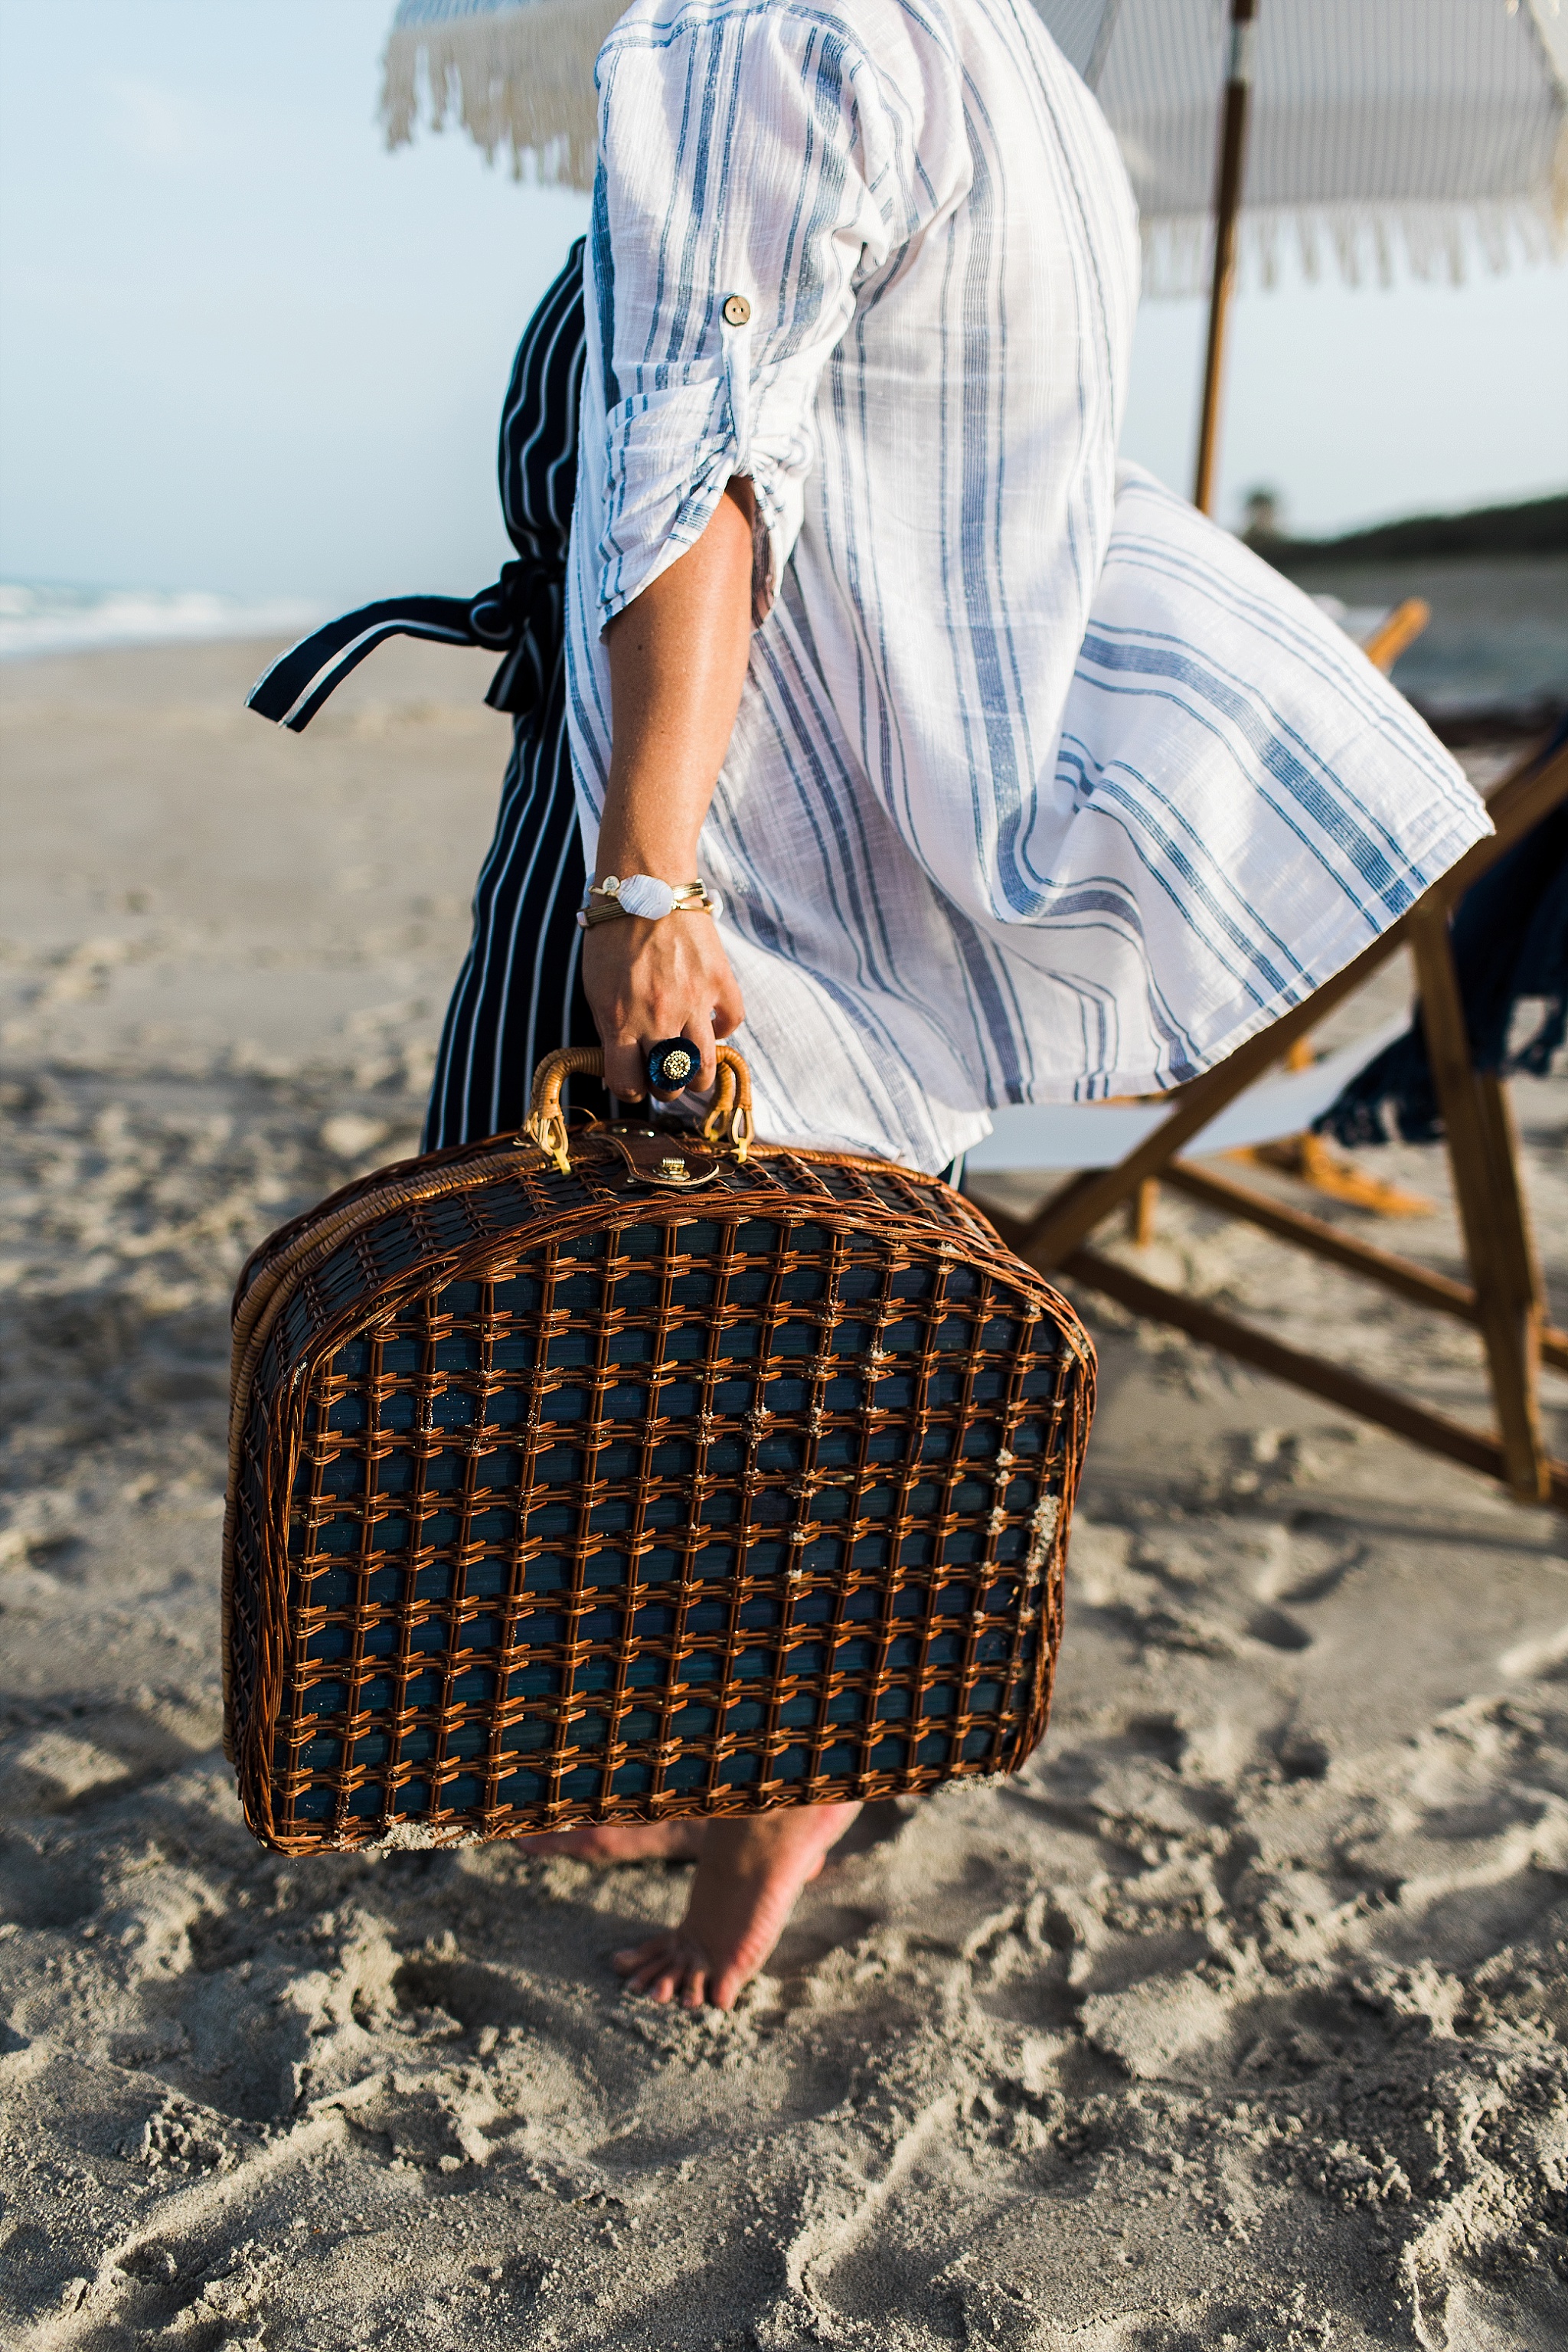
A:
(672, 1064)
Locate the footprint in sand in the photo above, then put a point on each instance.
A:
(1303, 1566)
(1542, 1658)
(1281, 1631)
(1301, 1755)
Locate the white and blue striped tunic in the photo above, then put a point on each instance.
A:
(1043, 788)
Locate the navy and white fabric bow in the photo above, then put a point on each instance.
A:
(519, 617)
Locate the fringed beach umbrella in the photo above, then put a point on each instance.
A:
(1356, 129)
(1374, 125)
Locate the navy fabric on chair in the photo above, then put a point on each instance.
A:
(1510, 945)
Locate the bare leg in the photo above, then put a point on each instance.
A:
(622, 1841)
(749, 1874)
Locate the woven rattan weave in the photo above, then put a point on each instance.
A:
(630, 1474)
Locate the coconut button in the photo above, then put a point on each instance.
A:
(737, 310)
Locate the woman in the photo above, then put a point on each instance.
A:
(1017, 781)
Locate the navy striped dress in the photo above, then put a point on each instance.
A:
(519, 994)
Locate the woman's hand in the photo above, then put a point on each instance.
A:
(678, 659)
(647, 981)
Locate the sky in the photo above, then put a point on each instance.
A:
(243, 348)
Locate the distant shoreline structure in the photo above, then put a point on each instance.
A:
(1534, 527)
(1493, 662)
(38, 617)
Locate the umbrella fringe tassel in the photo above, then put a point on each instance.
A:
(521, 78)
(524, 82)
(1364, 240)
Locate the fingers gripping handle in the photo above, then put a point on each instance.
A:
(727, 1126)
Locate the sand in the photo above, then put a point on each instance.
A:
(1238, 2019)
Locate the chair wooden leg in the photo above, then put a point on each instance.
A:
(1520, 1259)
(1492, 1210)
(1403, 1276)
(1140, 1214)
(1515, 1238)
(1369, 1399)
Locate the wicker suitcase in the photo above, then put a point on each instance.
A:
(623, 1474)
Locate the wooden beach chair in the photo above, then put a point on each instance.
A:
(1117, 1149)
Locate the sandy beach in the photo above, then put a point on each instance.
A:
(1238, 2019)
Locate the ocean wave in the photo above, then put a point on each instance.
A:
(38, 619)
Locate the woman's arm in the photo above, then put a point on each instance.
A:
(677, 661)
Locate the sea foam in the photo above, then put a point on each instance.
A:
(38, 618)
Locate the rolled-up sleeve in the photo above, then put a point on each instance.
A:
(732, 216)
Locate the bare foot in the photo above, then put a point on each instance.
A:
(749, 1874)
(623, 1842)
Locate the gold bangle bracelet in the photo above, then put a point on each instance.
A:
(603, 902)
(613, 912)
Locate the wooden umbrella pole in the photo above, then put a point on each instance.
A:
(1227, 206)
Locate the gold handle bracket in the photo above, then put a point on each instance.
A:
(728, 1126)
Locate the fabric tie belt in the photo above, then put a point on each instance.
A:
(520, 616)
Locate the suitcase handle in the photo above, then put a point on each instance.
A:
(727, 1127)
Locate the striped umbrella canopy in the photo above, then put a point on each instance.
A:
(1374, 124)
